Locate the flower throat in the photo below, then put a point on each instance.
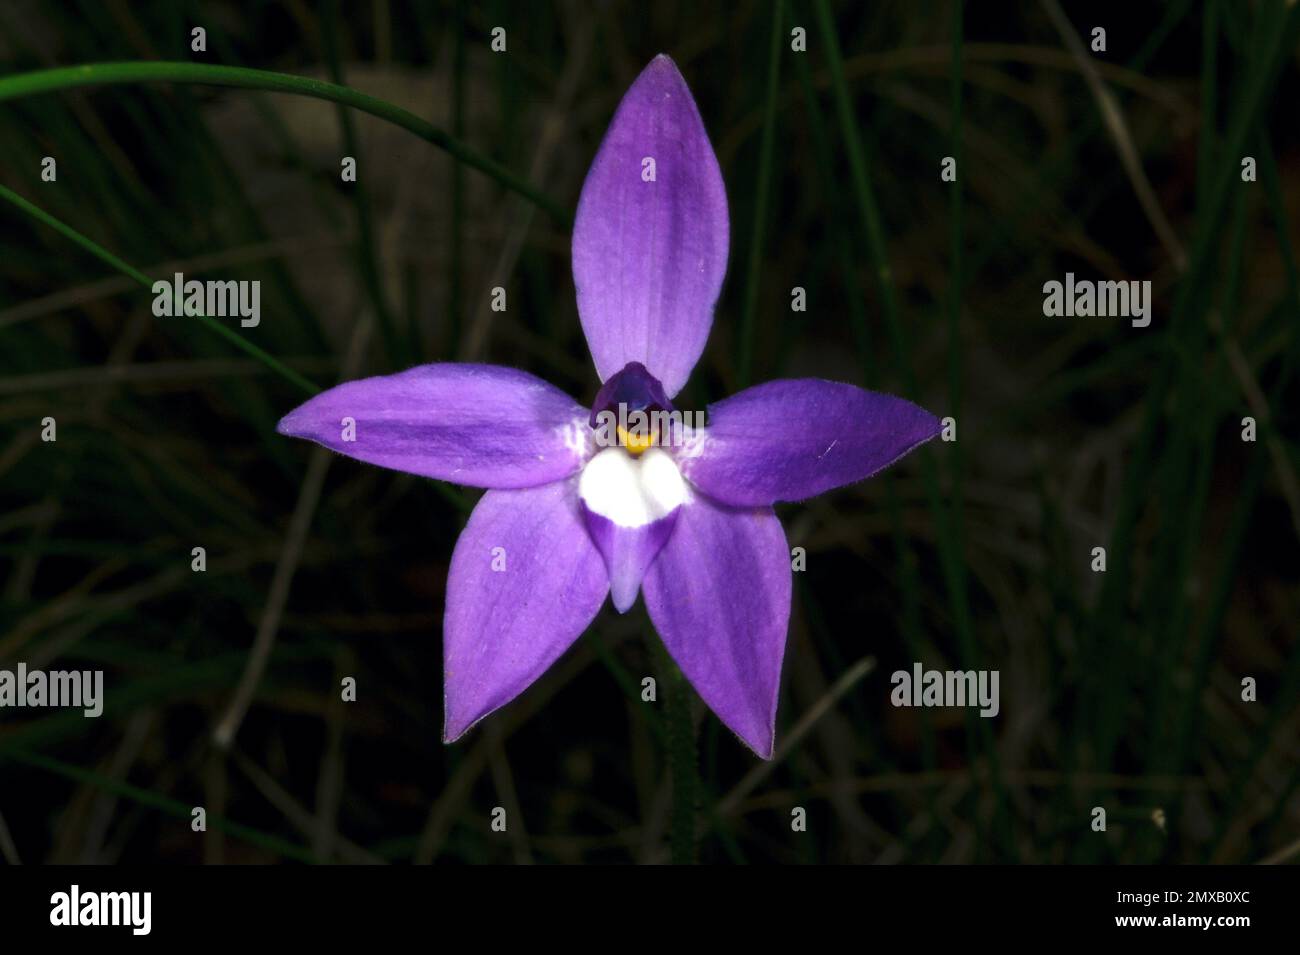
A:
(632, 411)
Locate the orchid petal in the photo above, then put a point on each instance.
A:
(480, 425)
(650, 239)
(719, 595)
(628, 553)
(630, 506)
(525, 581)
(792, 439)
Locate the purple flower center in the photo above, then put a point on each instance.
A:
(628, 408)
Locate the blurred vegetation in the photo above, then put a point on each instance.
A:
(1120, 690)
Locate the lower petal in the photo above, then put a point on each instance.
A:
(525, 581)
(630, 505)
(628, 553)
(719, 595)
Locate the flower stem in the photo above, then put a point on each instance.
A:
(109, 74)
(683, 762)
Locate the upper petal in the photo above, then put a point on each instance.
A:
(525, 581)
(792, 439)
(480, 425)
(650, 239)
(719, 595)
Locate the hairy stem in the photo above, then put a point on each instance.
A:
(683, 759)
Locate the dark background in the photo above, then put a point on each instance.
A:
(1120, 690)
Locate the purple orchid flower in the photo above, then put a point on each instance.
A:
(565, 522)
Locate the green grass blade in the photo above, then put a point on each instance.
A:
(171, 807)
(368, 261)
(115, 74)
(763, 187)
(101, 253)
